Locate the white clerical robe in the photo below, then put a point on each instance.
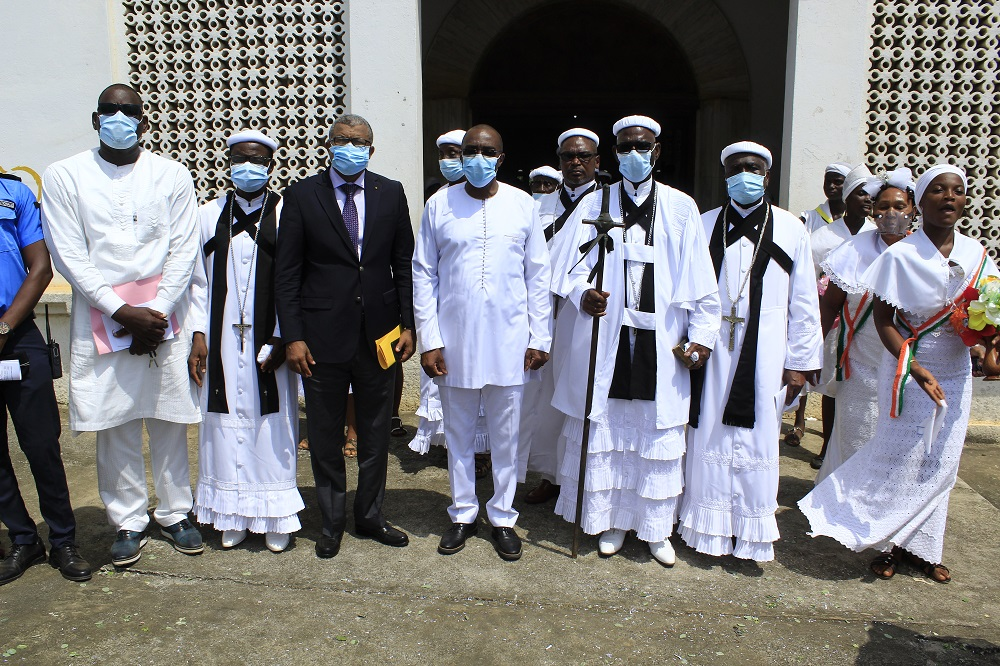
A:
(539, 448)
(106, 226)
(246, 462)
(480, 285)
(732, 473)
(818, 217)
(634, 458)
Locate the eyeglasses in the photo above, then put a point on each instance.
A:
(356, 141)
(111, 108)
(628, 146)
(487, 151)
(583, 157)
(253, 159)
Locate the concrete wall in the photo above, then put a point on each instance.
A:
(826, 80)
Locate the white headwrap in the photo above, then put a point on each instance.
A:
(578, 131)
(843, 168)
(859, 175)
(901, 178)
(252, 136)
(928, 176)
(637, 121)
(545, 172)
(746, 147)
(453, 138)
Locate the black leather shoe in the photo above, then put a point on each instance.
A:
(545, 491)
(507, 543)
(454, 539)
(21, 557)
(72, 567)
(386, 535)
(328, 546)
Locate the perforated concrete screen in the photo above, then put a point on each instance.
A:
(933, 94)
(207, 68)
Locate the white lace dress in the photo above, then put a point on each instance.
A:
(635, 472)
(430, 431)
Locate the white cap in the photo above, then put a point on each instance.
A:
(578, 131)
(545, 172)
(252, 136)
(927, 177)
(859, 175)
(454, 138)
(843, 168)
(746, 147)
(637, 121)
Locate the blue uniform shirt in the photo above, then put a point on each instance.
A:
(20, 226)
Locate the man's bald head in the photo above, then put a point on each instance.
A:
(120, 93)
(483, 136)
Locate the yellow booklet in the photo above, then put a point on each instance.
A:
(385, 347)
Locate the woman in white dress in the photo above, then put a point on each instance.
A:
(892, 495)
(854, 375)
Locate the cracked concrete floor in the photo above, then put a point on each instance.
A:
(815, 604)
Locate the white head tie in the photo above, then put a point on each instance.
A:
(859, 175)
(901, 178)
(843, 168)
(927, 177)
(545, 172)
(252, 136)
(637, 121)
(453, 137)
(578, 131)
(746, 147)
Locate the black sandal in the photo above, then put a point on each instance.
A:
(396, 427)
(932, 571)
(794, 436)
(884, 566)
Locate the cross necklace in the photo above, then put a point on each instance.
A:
(241, 301)
(731, 318)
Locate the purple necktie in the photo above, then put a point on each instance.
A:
(351, 213)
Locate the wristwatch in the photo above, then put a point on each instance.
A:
(4, 328)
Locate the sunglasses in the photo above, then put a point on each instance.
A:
(111, 108)
(628, 146)
(568, 157)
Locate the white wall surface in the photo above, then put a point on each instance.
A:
(385, 87)
(826, 88)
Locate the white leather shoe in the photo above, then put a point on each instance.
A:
(663, 551)
(276, 542)
(610, 542)
(232, 538)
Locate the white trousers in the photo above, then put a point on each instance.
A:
(503, 416)
(121, 473)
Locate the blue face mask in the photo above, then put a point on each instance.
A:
(537, 195)
(350, 159)
(480, 171)
(118, 131)
(635, 166)
(452, 169)
(745, 187)
(248, 177)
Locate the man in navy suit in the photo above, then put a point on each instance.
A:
(342, 280)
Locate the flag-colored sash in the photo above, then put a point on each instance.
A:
(909, 348)
(826, 218)
(850, 324)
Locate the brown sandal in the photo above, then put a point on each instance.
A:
(351, 448)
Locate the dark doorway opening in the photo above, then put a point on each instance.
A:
(585, 64)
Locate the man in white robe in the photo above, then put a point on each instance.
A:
(658, 292)
(540, 447)
(122, 226)
(833, 208)
(247, 450)
(770, 344)
(481, 304)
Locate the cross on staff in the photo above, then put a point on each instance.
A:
(603, 225)
(733, 320)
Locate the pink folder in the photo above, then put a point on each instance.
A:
(133, 293)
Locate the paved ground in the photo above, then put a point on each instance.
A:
(817, 604)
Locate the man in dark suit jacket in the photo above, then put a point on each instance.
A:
(342, 280)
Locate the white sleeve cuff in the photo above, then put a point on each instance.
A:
(163, 306)
(702, 336)
(110, 302)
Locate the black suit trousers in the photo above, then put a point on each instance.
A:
(326, 407)
(33, 410)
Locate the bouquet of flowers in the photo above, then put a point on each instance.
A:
(977, 312)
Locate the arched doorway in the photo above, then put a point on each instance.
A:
(687, 43)
(586, 64)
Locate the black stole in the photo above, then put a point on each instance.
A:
(263, 298)
(569, 206)
(635, 371)
(739, 411)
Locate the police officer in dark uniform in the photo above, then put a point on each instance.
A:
(25, 271)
